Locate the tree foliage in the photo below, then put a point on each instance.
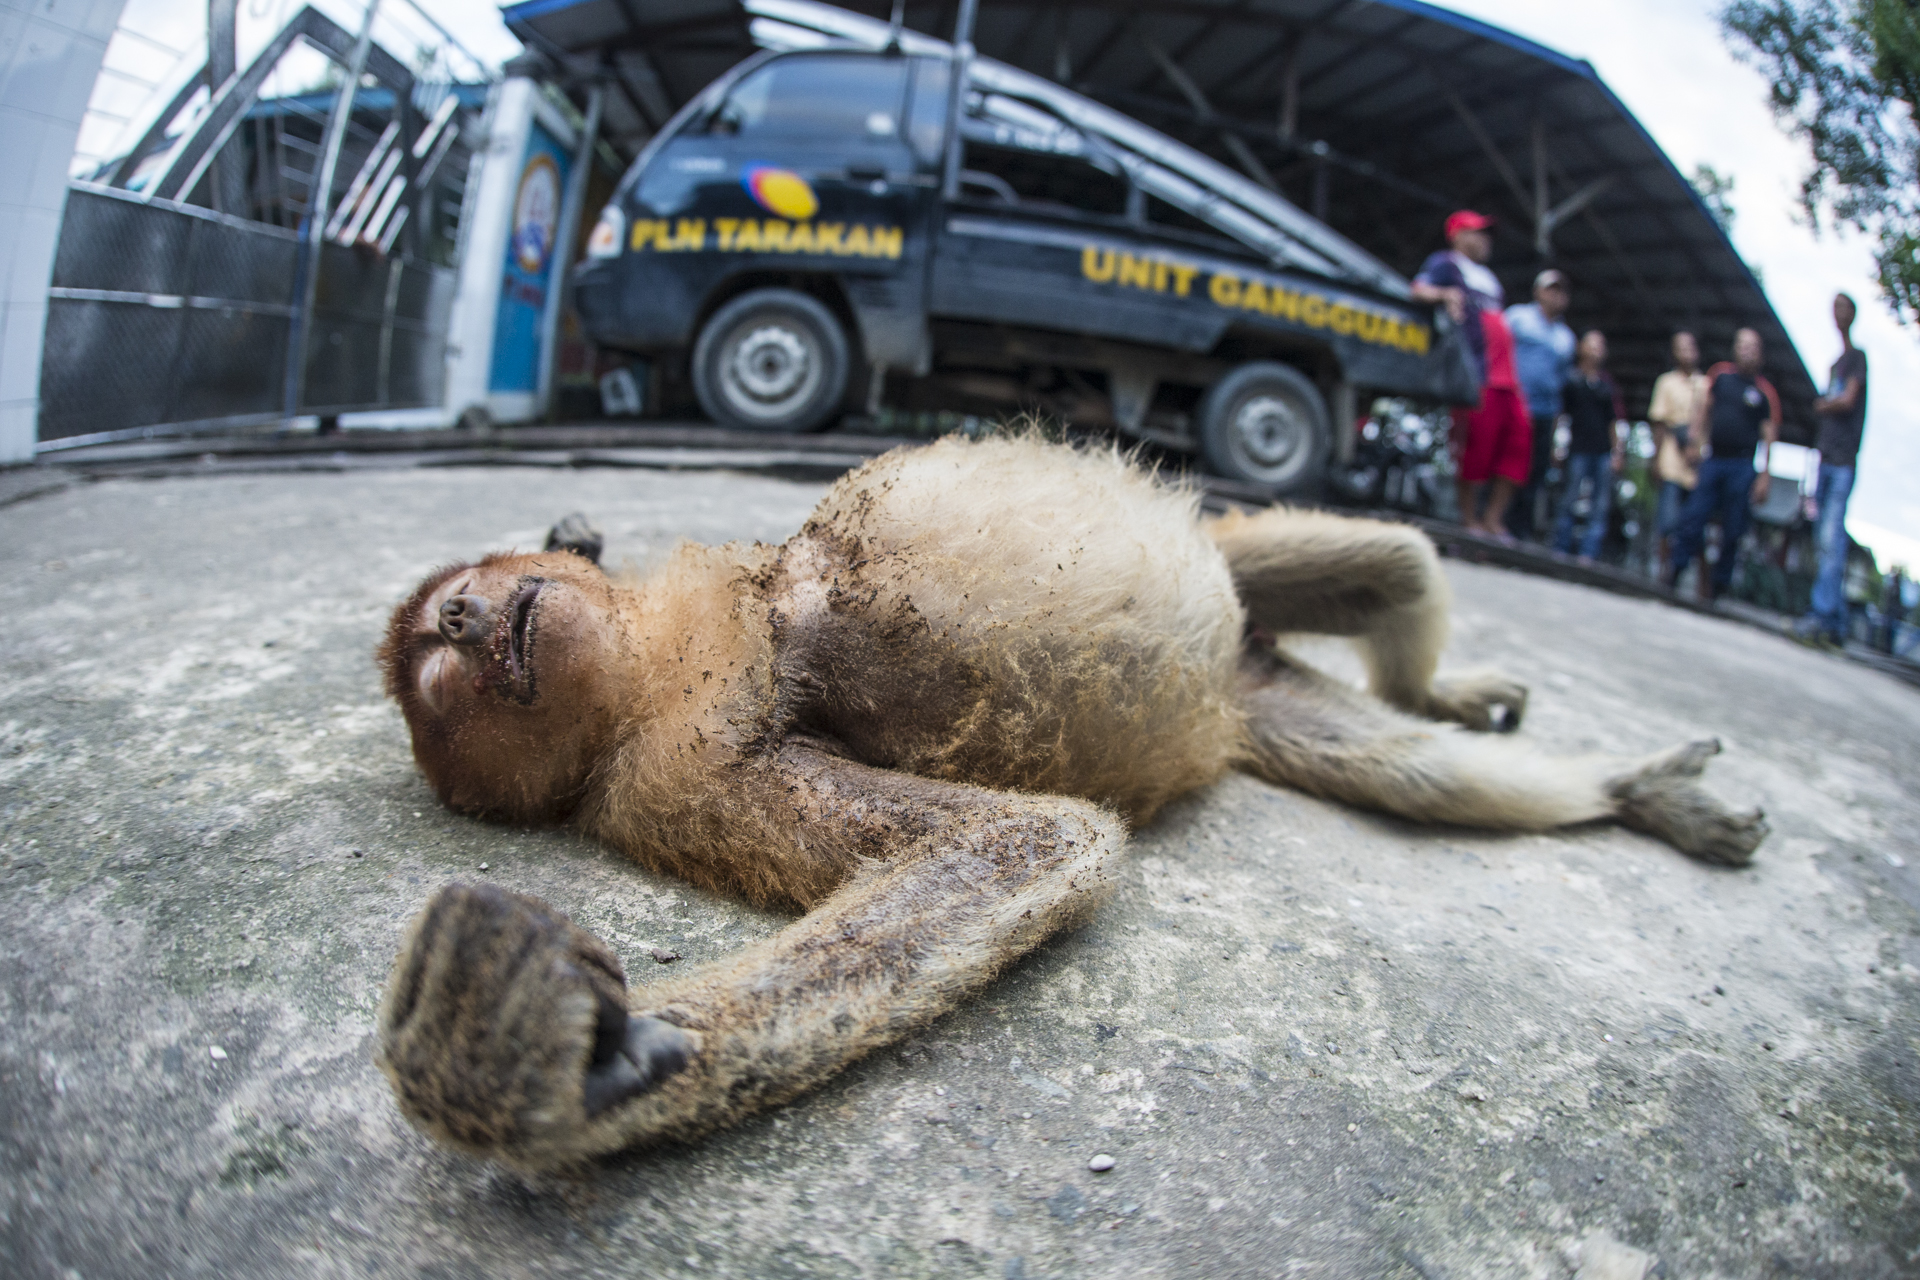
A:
(1844, 75)
(1716, 192)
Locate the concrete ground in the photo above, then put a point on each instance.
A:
(1315, 1042)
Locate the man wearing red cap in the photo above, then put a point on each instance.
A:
(1494, 442)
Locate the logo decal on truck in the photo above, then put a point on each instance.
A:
(1265, 297)
(780, 191)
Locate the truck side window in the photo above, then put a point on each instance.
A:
(927, 113)
(818, 97)
(1041, 180)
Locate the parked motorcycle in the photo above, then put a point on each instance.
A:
(1399, 461)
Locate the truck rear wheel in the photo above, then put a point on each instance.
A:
(771, 360)
(1266, 423)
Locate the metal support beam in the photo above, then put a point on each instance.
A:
(1234, 143)
(572, 207)
(1547, 217)
(1625, 263)
(312, 230)
(1492, 152)
(1290, 91)
(229, 178)
(1551, 220)
(957, 95)
(1145, 105)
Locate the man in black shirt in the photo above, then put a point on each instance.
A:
(1740, 412)
(1595, 447)
(1843, 419)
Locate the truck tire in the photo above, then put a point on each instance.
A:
(1266, 423)
(771, 360)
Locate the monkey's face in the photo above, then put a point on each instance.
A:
(507, 673)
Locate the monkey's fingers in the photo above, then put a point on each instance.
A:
(505, 1029)
(577, 534)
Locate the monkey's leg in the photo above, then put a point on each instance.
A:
(1377, 583)
(506, 1031)
(1309, 731)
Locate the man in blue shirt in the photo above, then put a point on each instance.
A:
(1543, 356)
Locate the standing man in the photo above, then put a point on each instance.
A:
(1677, 396)
(1741, 412)
(1596, 447)
(1843, 419)
(1543, 355)
(1493, 442)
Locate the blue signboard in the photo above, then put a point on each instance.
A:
(529, 264)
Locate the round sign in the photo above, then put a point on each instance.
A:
(536, 213)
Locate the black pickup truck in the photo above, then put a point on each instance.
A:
(799, 237)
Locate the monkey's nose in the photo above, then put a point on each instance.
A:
(466, 619)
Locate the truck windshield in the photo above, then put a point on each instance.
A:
(817, 97)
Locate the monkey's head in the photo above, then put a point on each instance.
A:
(508, 674)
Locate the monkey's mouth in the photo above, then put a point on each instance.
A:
(522, 617)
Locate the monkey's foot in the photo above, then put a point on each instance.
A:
(576, 534)
(1486, 702)
(1662, 799)
(506, 1034)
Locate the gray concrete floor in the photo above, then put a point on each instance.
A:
(1316, 1043)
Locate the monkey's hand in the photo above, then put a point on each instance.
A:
(1485, 702)
(505, 1030)
(576, 534)
(1661, 798)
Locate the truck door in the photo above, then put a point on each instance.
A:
(805, 165)
(1048, 232)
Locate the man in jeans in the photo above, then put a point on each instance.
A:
(1677, 396)
(1596, 446)
(1741, 412)
(1843, 418)
(1543, 357)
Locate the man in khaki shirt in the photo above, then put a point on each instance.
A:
(1677, 394)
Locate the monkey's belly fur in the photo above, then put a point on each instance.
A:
(1014, 616)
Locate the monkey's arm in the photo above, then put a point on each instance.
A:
(538, 1062)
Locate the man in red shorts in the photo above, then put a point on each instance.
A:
(1493, 444)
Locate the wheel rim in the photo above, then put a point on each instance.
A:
(770, 370)
(1271, 437)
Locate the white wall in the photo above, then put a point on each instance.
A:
(50, 54)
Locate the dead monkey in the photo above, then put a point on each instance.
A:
(928, 720)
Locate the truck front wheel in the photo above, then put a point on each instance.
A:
(771, 360)
(1266, 423)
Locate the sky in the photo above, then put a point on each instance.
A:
(1665, 59)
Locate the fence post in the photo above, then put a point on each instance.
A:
(313, 227)
(560, 277)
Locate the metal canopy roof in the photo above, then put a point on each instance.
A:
(1378, 116)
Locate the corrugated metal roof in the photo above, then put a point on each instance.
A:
(1398, 111)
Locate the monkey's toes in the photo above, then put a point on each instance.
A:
(1485, 703)
(1730, 842)
(632, 1055)
(1690, 761)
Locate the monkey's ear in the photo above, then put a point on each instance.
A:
(576, 534)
